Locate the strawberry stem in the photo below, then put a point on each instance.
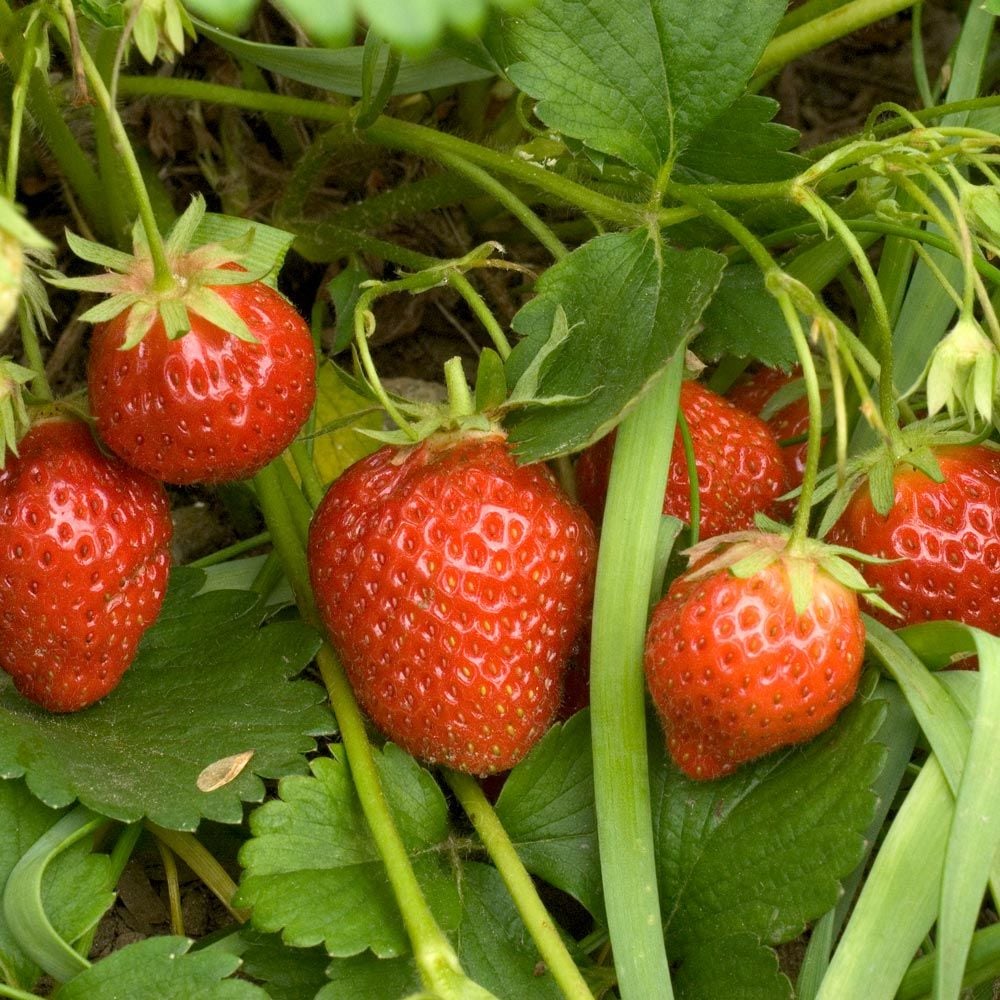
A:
(509, 200)
(625, 570)
(436, 959)
(163, 278)
(540, 924)
(203, 863)
(474, 300)
(778, 284)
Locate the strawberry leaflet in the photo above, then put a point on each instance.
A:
(162, 968)
(209, 683)
(75, 889)
(746, 861)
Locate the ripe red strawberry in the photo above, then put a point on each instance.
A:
(453, 582)
(754, 391)
(206, 407)
(84, 544)
(735, 672)
(740, 466)
(944, 538)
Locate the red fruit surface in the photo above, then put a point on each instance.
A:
(740, 466)
(945, 536)
(754, 391)
(453, 582)
(735, 673)
(84, 544)
(206, 407)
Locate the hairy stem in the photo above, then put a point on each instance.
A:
(540, 924)
(163, 278)
(435, 957)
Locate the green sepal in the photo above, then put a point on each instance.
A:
(14, 419)
(881, 485)
(175, 318)
(98, 253)
(101, 284)
(801, 579)
(924, 461)
(141, 317)
(752, 564)
(491, 383)
(213, 307)
(183, 230)
(108, 309)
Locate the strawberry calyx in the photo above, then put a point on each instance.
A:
(962, 374)
(14, 417)
(913, 447)
(415, 421)
(132, 284)
(746, 553)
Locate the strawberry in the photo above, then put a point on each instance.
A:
(735, 671)
(206, 407)
(199, 372)
(943, 538)
(453, 582)
(754, 391)
(740, 466)
(85, 544)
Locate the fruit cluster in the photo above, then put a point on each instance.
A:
(455, 583)
(85, 535)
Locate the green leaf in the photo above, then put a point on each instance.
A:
(75, 887)
(491, 383)
(341, 417)
(161, 968)
(288, 973)
(619, 340)
(975, 832)
(312, 870)
(267, 251)
(638, 79)
(547, 808)
(744, 320)
(748, 860)
(493, 943)
(344, 290)
(365, 977)
(743, 145)
(339, 70)
(208, 683)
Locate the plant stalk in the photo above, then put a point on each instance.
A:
(540, 924)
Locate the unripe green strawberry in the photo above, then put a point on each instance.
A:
(453, 583)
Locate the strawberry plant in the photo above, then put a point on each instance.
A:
(597, 480)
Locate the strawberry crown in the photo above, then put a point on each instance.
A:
(746, 553)
(130, 280)
(913, 446)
